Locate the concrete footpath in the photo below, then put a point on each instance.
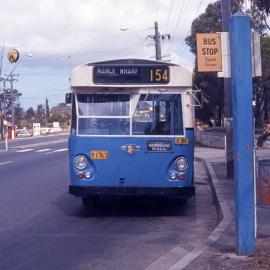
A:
(219, 251)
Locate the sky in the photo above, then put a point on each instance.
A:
(61, 34)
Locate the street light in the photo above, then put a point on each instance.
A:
(10, 79)
(18, 62)
(124, 29)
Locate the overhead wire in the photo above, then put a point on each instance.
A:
(170, 42)
(177, 25)
(179, 52)
(169, 16)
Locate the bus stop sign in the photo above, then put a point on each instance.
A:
(209, 52)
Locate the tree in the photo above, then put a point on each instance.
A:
(258, 11)
(30, 114)
(47, 110)
(19, 115)
(264, 5)
(211, 86)
(40, 113)
(262, 86)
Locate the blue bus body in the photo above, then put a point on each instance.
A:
(131, 174)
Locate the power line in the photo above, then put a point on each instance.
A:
(177, 24)
(183, 42)
(169, 16)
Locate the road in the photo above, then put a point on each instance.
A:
(43, 227)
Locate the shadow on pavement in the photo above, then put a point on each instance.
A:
(114, 206)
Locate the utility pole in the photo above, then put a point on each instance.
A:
(2, 110)
(157, 38)
(226, 7)
(157, 42)
(10, 78)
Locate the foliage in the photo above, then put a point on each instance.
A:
(263, 5)
(211, 86)
(40, 113)
(47, 110)
(19, 115)
(30, 114)
(262, 85)
(208, 22)
(258, 10)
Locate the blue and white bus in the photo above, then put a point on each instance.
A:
(132, 130)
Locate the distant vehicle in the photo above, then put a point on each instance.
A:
(24, 133)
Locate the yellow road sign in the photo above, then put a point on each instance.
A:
(209, 52)
(13, 55)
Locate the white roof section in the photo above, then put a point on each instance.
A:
(82, 76)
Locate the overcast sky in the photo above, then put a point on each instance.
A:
(61, 34)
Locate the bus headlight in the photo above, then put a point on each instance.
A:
(181, 163)
(80, 162)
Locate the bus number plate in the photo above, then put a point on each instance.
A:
(181, 140)
(99, 155)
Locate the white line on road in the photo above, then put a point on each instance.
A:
(58, 150)
(43, 150)
(25, 150)
(6, 162)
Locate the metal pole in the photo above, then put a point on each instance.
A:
(157, 42)
(12, 108)
(6, 138)
(2, 55)
(228, 120)
(241, 63)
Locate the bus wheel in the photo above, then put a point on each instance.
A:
(90, 201)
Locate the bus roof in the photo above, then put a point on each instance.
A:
(129, 73)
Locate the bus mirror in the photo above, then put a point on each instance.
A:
(68, 98)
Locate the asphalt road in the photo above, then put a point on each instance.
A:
(43, 227)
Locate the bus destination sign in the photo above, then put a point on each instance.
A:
(131, 74)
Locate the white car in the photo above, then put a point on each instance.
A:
(24, 133)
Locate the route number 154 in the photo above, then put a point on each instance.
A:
(159, 75)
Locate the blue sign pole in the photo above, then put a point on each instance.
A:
(241, 65)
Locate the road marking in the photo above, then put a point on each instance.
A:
(55, 151)
(61, 150)
(25, 150)
(39, 144)
(6, 162)
(43, 150)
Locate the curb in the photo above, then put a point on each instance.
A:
(219, 230)
(219, 196)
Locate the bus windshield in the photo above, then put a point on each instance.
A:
(125, 114)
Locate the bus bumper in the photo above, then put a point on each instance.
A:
(84, 191)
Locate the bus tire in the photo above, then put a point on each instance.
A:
(90, 201)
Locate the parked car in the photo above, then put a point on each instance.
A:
(24, 133)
